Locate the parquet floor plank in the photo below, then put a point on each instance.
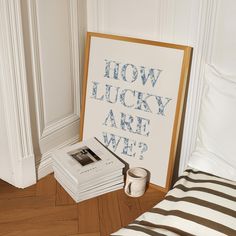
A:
(62, 197)
(129, 207)
(39, 214)
(45, 209)
(150, 199)
(8, 191)
(89, 234)
(88, 216)
(53, 220)
(46, 186)
(109, 213)
(50, 228)
(23, 203)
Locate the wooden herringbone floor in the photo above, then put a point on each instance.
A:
(45, 209)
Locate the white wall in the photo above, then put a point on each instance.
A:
(207, 26)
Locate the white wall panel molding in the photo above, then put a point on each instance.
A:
(224, 55)
(157, 30)
(64, 133)
(167, 18)
(83, 28)
(36, 70)
(59, 124)
(202, 54)
(101, 15)
(161, 20)
(177, 21)
(96, 15)
(48, 127)
(15, 95)
(92, 15)
(75, 26)
(6, 172)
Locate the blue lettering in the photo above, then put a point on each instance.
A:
(110, 117)
(95, 90)
(113, 140)
(153, 74)
(125, 122)
(114, 93)
(111, 66)
(142, 126)
(125, 146)
(161, 105)
(141, 103)
(128, 147)
(123, 96)
(133, 72)
(144, 148)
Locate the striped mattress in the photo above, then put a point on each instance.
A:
(199, 204)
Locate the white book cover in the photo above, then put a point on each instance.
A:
(84, 197)
(94, 189)
(87, 160)
(101, 192)
(61, 172)
(90, 185)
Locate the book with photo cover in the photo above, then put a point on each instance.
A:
(86, 160)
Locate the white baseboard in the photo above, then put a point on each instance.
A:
(44, 165)
(24, 174)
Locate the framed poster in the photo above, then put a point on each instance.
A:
(133, 95)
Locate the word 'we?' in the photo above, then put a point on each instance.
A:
(126, 146)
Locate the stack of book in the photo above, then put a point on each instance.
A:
(87, 169)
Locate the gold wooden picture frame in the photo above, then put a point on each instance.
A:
(133, 98)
